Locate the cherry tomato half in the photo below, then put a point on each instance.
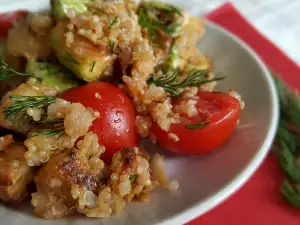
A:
(115, 127)
(218, 111)
(7, 20)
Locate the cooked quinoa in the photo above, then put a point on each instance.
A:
(62, 154)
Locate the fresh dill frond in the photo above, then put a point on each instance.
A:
(112, 22)
(52, 121)
(46, 126)
(132, 178)
(146, 22)
(111, 46)
(93, 66)
(158, 16)
(22, 103)
(52, 132)
(197, 126)
(171, 84)
(6, 71)
(55, 126)
(70, 58)
(166, 7)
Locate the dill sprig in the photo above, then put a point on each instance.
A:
(171, 84)
(70, 58)
(111, 46)
(158, 16)
(287, 143)
(93, 66)
(111, 22)
(52, 132)
(22, 103)
(6, 71)
(197, 126)
(165, 7)
(132, 178)
(46, 126)
(55, 126)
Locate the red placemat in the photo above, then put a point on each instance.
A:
(258, 202)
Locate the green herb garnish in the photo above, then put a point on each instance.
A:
(6, 71)
(18, 112)
(287, 143)
(165, 7)
(92, 69)
(112, 22)
(22, 103)
(197, 126)
(71, 58)
(52, 132)
(158, 16)
(132, 178)
(111, 46)
(171, 84)
(55, 126)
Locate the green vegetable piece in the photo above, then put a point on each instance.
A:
(61, 7)
(90, 64)
(89, 70)
(287, 144)
(289, 163)
(52, 75)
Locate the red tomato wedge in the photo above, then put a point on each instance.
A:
(217, 118)
(115, 127)
(7, 20)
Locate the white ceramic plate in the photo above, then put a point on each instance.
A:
(205, 181)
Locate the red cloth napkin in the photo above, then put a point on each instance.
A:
(258, 202)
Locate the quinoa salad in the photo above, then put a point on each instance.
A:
(83, 84)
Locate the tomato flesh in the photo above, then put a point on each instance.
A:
(7, 20)
(115, 127)
(220, 110)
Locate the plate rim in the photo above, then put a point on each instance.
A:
(234, 185)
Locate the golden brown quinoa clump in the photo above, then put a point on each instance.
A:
(130, 178)
(81, 166)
